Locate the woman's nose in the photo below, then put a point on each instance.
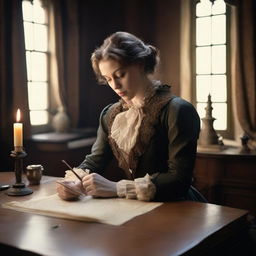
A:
(116, 84)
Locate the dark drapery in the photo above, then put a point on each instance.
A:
(246, 66)
(66, 27)
(13, 77)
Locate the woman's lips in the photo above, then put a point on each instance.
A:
(121, 94)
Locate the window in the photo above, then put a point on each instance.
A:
(36, 44)
(211, 69)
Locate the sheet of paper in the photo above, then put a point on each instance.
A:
(109, 211)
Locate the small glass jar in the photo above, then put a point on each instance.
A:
(34, 173)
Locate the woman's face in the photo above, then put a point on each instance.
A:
(124, 80)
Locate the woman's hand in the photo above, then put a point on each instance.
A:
(98, 186)
(69, 190)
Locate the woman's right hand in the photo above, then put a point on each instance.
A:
(69, 190)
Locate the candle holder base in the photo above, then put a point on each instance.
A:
(19, 189)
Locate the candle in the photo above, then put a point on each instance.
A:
(18, 133)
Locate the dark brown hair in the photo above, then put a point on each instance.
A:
(127, 49)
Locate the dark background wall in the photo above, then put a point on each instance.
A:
(155, 21)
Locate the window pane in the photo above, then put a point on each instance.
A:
(203, 84)
(219, 88)
(39, 13)
(219, 29)
(201, 109)
(220, 113)
(37, 96)
(27, 10)
(29, 35)
(219, 59)
(203, 8)
(40, 37)
(39, 67)
(28, 62)
(203, 60)
(218, 7)
(38, 117)
(203, 31)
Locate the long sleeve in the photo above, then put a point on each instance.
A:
(182, 124)
(101, 153)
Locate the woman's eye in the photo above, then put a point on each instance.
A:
(120, 75)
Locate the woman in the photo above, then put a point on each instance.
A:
(152, 133)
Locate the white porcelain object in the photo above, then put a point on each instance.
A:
(61, 122)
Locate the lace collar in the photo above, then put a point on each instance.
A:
(155, 100)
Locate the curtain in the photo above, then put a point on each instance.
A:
(64, 17)
(245, 70)
(186, 36)
(13, 78)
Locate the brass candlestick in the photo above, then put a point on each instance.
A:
(19, 188)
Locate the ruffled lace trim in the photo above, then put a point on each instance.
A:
(142, 189)
(125, 128)
(155, 100)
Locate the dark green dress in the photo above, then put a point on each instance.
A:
(165, 147)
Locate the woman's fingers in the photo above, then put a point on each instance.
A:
(88, 189)
(67, 193)
(96, 185)
(92, 185)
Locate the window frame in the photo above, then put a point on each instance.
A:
(43, 127)
(229, 132)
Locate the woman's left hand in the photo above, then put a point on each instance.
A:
(98, 186)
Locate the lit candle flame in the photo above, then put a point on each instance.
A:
(18, 115)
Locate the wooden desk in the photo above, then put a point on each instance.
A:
(175, 228)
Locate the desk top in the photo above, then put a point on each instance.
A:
(174, 228)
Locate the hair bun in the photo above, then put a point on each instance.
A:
(151, 58)
(153, 49)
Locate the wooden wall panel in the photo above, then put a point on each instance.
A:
(227, 179)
